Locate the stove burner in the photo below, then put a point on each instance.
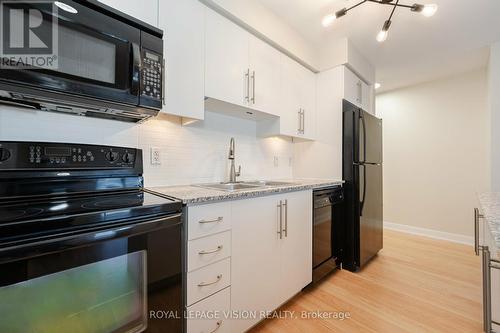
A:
(113, 203)
(12, 215)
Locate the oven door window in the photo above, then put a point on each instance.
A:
(105, 296)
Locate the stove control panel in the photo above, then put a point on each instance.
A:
(41, 155)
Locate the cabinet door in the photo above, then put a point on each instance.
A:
(296, 249)
(366, 98)
(226, 60)
(308, 102)
(145, 10)
(291, 96)
(265, 77)
(184, 50)
(353, 88)
(255, 261)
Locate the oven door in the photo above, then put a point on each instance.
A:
(97, 55)
(100, 282)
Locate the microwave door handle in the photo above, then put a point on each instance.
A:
(135, 83)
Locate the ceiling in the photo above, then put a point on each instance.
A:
(418, 49)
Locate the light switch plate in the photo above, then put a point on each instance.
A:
(276, 161)
(155, 156)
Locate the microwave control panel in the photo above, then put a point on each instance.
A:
(151, 75)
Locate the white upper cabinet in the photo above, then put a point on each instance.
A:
(243, 70)
(265, 77)
(297, 108)
(183, 23)
(357, 91)
(227, 73)
(145, 10)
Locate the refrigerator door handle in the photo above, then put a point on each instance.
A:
(364, 134)
(362, 204)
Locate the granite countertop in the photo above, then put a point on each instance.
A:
(190, 194)
(490, 207)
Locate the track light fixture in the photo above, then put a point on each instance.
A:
(426, 10)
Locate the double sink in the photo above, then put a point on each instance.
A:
(241, 186)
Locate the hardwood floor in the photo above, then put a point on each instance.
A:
(415, 284)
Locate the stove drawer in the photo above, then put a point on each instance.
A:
(208, 219)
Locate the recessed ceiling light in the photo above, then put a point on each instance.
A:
(377, 85)
(66, 7)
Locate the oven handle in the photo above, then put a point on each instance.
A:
(135, 84)
(47, 246)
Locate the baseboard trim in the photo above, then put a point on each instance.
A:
(455, 238)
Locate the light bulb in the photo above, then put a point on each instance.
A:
(66, 7)
(382, 36)
(429, 10)
(377, 85)
(328, 20)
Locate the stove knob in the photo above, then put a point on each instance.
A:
(111, 156)
(128, 158)
(4, 154)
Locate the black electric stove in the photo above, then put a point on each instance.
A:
(73, 210)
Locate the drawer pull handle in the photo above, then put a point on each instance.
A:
(204, 284)
(217, 249)
(218, 325)
(217, 220)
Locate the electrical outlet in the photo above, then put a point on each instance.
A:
(155, 156)
(276, 161)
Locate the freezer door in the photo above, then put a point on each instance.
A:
(370, 211)
(370, 138)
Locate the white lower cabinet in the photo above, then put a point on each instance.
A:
(261, 261)
(210, 314)
(271, 255)
(208, 280)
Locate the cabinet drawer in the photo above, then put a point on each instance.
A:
(208, 219)
(208, 280)
(214, 306)
(206, 250)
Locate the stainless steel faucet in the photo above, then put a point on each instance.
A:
(233, 174)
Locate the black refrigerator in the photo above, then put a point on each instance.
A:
(362, 172)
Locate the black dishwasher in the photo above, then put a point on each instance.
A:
(327, 230)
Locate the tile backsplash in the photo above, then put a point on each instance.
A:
(195, 153)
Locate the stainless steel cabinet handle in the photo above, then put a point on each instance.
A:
(217, 249)
(285, 204)
(303, 121)
(247, 79)
(163, 83)
(204, 284)
(477, 216)
(218, 325)
(253, 87)
(217, 220)
(487, 322)
(280, 212)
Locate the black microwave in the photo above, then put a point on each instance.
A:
(103, 63)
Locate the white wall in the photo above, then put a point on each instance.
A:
(190, 154)
(436, 152)
(494, 105)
